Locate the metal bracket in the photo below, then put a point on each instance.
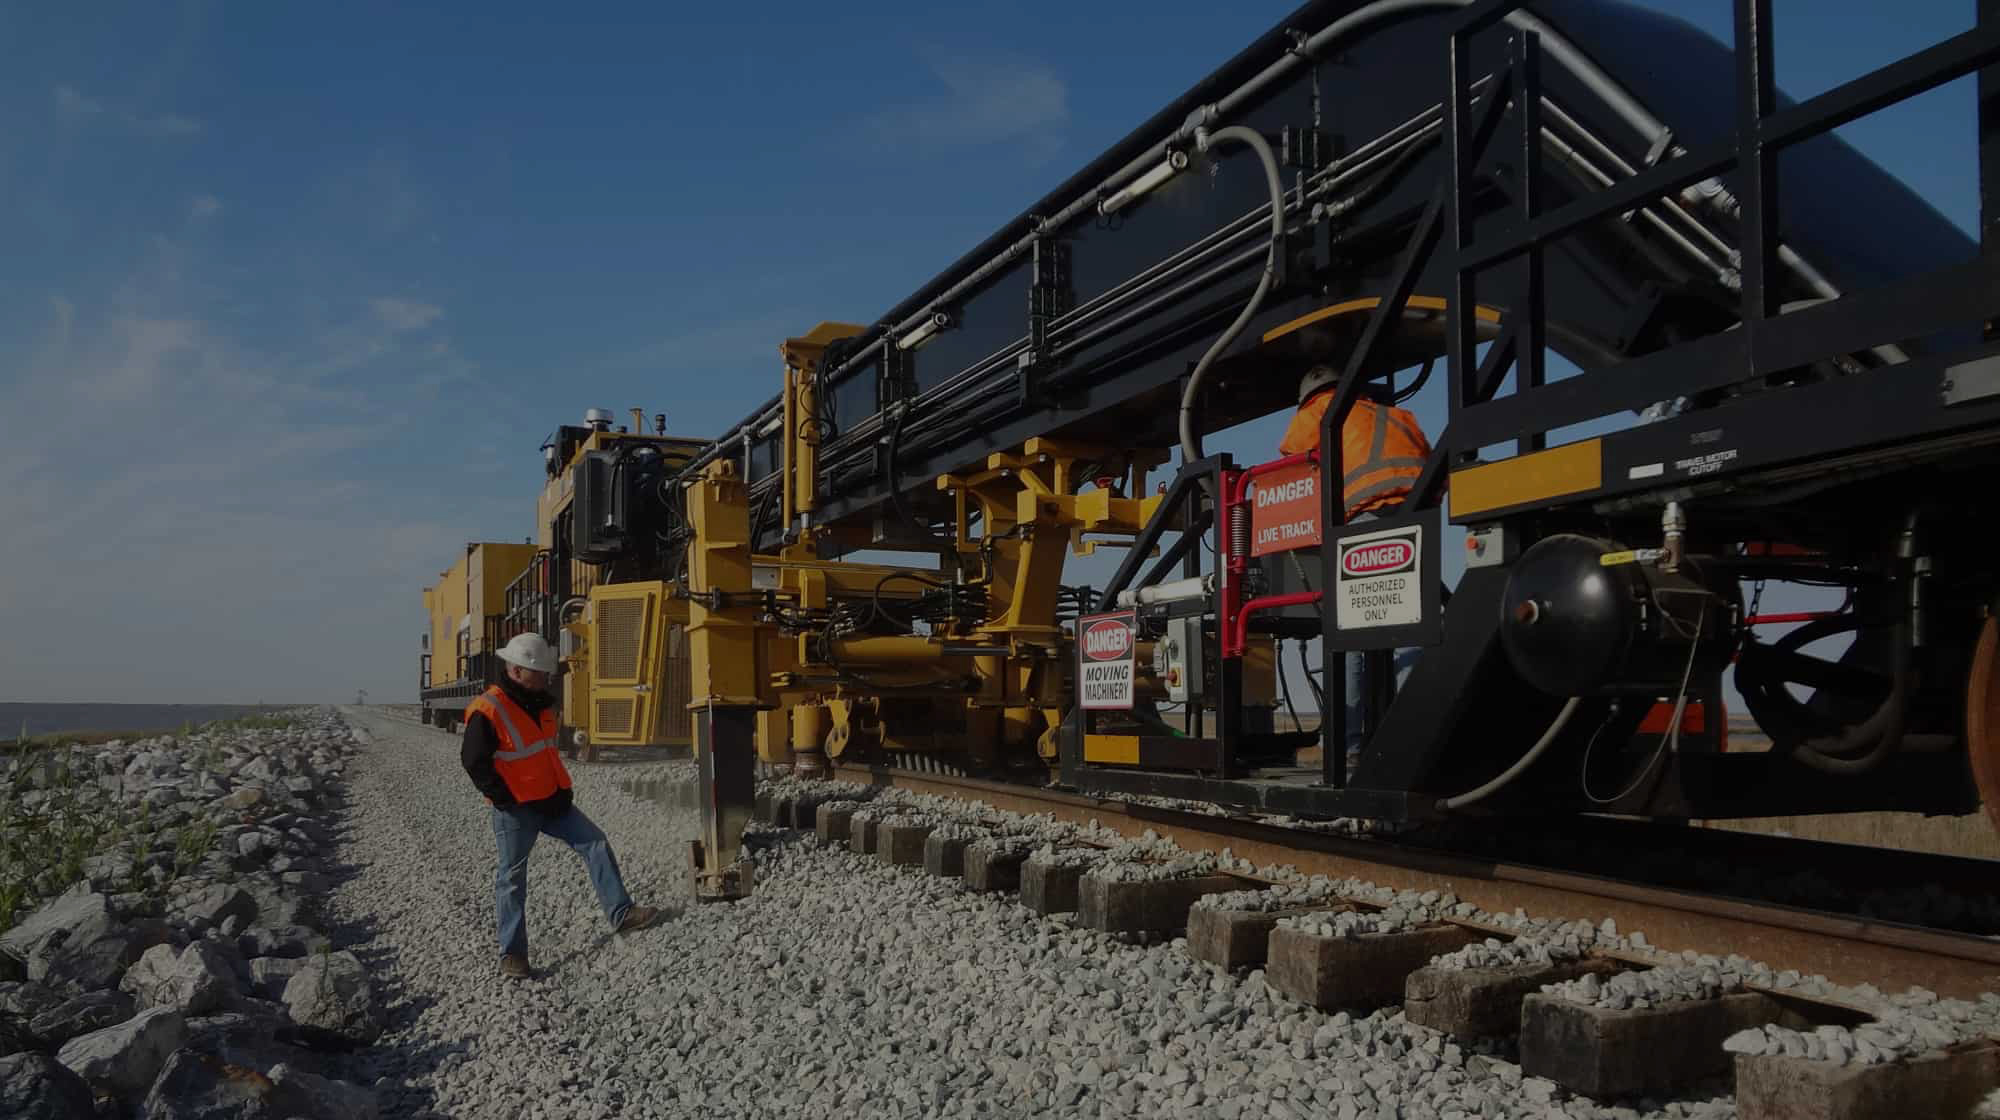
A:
(1050, 296)
(898, 379)
(1971, 381)
(732, 884)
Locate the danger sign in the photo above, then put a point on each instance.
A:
(1285, 512)
(1379, 584)
(1106, 656)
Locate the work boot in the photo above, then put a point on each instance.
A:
(638, 918)
(515, 966)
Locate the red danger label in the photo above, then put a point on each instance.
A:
(1285, 513)
(1378, 559)
(1108, 640)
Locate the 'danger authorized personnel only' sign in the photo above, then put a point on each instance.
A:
(1285, 512)
(1379, 579)
(1106, 659)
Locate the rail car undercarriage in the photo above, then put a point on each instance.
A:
(1674, 367)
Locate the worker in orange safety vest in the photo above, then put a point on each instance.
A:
(1382, 453)
(509, 751)
(1382, 447)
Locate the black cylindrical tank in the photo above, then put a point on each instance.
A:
(1583, 617)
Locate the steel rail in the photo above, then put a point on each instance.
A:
(1845, 949)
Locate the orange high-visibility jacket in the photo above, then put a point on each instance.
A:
(1382, 450)
(527, 759)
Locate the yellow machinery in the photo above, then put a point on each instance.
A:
(1816, 403)
(467, 624)
(622, 639)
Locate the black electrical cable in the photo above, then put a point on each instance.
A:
(895, 484)
(1285, 687)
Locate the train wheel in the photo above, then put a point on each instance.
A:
(1982, 718)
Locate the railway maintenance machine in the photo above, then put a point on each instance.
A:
(1678, 340)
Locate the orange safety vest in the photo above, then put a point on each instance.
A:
(1382, 450)
(527, 759)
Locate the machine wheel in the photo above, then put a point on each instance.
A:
(1982, 718)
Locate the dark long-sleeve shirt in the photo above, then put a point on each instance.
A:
(476, 753)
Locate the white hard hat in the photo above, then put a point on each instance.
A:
(529, 651)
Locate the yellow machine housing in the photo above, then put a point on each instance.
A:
(465, 607)
(623, 644)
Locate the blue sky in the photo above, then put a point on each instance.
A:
(293, 293)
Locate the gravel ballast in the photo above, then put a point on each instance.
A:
(841, 987)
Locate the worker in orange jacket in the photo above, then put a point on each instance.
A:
(509, 752)
(1382, 453)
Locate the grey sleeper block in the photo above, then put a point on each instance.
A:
(989, 871)
(1947, 1083)
(1354, 974)
(1050, 888)
(861, 835)
(1236, 938)
(1146, 906)
(1483, 1002)
(1604, 1053)
(900, 843)
(944, 856)
(832, 822)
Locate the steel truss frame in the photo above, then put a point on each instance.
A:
(1950, 400)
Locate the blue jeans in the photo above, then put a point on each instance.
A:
(515, 830)
(1356, 672)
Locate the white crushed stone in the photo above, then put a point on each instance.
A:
(1521, 951)
(1646, 988)
(1110, 854)
(1282, 896)
(1048, 855)
(840, 988)
(960, 830)
(1895, 1034)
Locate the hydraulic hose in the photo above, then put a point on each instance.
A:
(1327, 41)
(1190, 438)
(1520, 767)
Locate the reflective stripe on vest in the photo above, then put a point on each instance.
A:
(524, 758)
(1389, 469)
(1382, 448)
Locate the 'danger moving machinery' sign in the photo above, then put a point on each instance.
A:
(1106, 651)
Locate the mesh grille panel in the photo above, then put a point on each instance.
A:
(620, 626)
(676, 722)
(614, 716)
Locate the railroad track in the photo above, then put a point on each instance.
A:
(1846, 949)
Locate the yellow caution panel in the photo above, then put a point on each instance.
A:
(1573, 468)
(1113, 750)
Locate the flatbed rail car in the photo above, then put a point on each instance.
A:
(1783, 355)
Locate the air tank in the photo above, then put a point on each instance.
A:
(1584, 616)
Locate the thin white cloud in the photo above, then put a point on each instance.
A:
(405, 314)
(982, 100)
(167, 124)
(235, 537)
(205, 206)
(75, 104)
(78, 106)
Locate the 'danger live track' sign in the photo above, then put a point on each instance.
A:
(1284, 513)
